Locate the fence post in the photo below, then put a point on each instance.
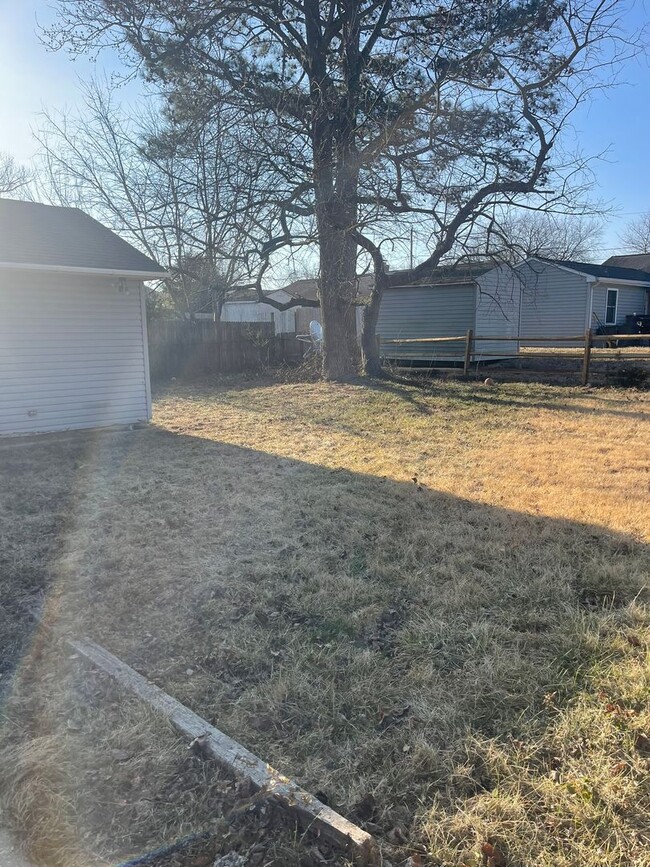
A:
(469, 340)
(587, 356)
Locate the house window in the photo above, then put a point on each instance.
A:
(610, 307)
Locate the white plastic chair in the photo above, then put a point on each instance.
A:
(314, 339)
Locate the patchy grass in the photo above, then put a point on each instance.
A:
(429, 604)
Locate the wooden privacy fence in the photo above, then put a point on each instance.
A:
(189, 349)
(589, 341)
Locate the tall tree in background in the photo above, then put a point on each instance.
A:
(636, 235)
(181, 192)
(549, 235)
(367, 111)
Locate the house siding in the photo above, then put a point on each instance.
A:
(497, 311)
(426, 311)
(553, 303)
(72, 352)
(253, 311)
(631, 300)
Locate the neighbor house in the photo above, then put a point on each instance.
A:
(639, 261)
(563, 298)
(73, 332)
(534, 299)
(245, 306)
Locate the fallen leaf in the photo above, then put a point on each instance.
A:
(492, 855)
(634, 640)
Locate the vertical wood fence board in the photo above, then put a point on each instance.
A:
(200, 348)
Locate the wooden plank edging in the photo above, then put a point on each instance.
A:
(235, 758)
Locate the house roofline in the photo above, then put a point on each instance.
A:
(590, 278)
(74, 269)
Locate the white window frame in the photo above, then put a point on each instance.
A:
(607, 321)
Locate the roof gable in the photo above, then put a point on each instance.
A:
(32, 234)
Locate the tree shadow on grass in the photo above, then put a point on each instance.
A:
(407, 387)
(354, 631)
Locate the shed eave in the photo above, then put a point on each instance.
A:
(608, 281)
(75, 269)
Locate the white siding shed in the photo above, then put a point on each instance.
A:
(73, 347)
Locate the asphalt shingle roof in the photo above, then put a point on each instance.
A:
(36, 234)
(639, 261)
(608, 272)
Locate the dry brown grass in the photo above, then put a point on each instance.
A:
(469, 650)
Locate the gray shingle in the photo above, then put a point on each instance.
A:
(639, 261)
(608, 272)
(36, 234)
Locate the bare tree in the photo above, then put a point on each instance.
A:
(14, 178)
(368, 112)
(636, 235)
(549, 235)
(182, 193)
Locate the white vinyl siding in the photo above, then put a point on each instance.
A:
(554, 302)
(72, 352)
(426, 311)
(631, 300)
(252, 311)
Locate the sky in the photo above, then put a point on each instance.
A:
(616, 122)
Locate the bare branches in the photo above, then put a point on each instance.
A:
(13, 177)
(636, 235)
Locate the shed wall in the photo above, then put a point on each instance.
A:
(72, 352)
(497, 311)
(426, 311)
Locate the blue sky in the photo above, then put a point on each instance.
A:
(617, 121)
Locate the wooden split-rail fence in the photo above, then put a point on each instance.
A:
(582, 344)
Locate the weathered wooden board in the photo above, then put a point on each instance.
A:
(315, 815)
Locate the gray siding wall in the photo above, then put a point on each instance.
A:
(497, 311)
(72, 352)
(426, 311)
(553, 302)
(631, 299)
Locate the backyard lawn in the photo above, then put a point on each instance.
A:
(427, 604)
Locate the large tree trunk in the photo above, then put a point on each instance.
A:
(338, 289)
(336, 180)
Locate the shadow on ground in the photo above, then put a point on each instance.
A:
(358, 633)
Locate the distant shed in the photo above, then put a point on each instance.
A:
(73, 346)
(452, 301)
